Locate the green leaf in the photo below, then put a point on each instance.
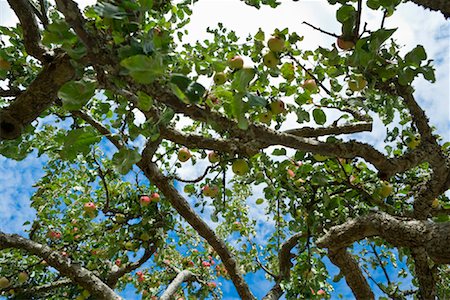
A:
(125, 159)
(259, 201)
(237, 109)
(242, 78)
(195, 92)
(180, 80)
(379, 37)
(75, 94)
(255, 100)
(78, 141)
(145, 102)
(109, 10)
(167, 116)
(416, 56)
(345, 13)
(144, 69)
(319, 116)
(279, 151)
(259, 36)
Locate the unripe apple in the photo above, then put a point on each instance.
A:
(310, 85)
(435, 203)
(386, 189)
(213, 157)
(358, 84)
(145, 236)
(277, 107)
(344, 45)
(212, 191)
(4, 282)
(129, 246)
(219, 78)
(184, 155)
(22, 277)
(413, 142)
(145, 200)
(265, 117)
(275, 44)
(90, 207)
(270, 60)
(240, 167)
(4, 64)
(154, 197)
(236, 62)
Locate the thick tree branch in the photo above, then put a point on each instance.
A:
(172, 288)
(41, 93)
(75, 272)
(427, 284)
(400, 232)
(45, 288)
(31, 34)
(352, 272)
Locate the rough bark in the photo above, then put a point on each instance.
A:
(436, 5)
(353, 274)
(38, 97)
(400, 232)
(65, 266)
(427, 284)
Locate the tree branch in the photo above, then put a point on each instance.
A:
(75, 272)
(334, 129)
(39, 96)
(181, 277)
(437, 5)
(31, 34)
(427, 284)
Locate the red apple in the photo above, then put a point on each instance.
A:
(345, 45)
(212, 284)
(145, 200)
(213, 157)
(236, 62)
(118, 262)
(154, 197)
(184, 155)
(206, 264)
(290, 173)
(210, 191)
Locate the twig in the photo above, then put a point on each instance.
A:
(321, 30)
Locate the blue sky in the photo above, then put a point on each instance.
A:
(429, 29)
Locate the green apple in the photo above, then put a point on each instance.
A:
(22, 277)
(357, 84)
(184, 155)
(210, 191)
(265, 117)
(4, 282)
(236, 62)
(144, 236)
(310, 85)
(270, 60)
(344, 45)
(220, 78)
(240, 167)
(213, 157)
(129, 246)
(275, 44)
(386, 189)
(277, 107)
(435, 203)
(120, 218)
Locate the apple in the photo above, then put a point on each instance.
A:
(54, 235)
(358, 84)
(319, 157)
(144, 236)
(270, 60)
(435, 203)
(129, 246)
(213, 157)
(277, 107)
(90, 207)
(145, 200)
(120, 218)
(344, 45)
(184, 155)
(118, 262)
(275, 44)
(240, 167)
(212, 284)
(4, 64)
(212, 191)
(321, 292)
(265, 117)
(206, 264)
(310, 85)
(4, 282)
(154, 197)
(290, 173)
(386, 189)
(236, 62)
(22, 277)
(219, 78)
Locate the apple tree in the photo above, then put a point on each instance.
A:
(162, 157)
